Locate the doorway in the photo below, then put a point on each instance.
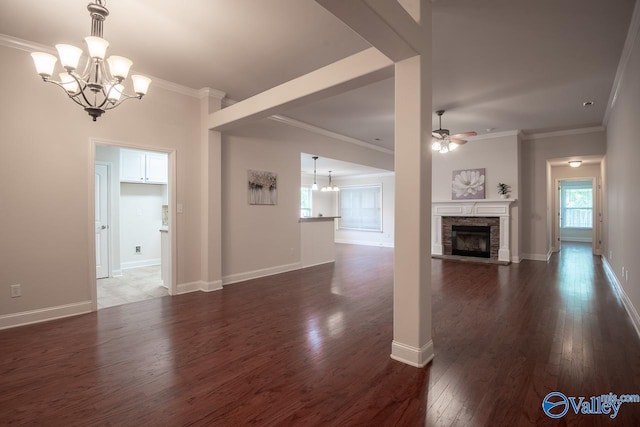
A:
(576, 208)
(133, 234)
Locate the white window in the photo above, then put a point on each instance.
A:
(305, 202)
(361, 207)
(576, 202)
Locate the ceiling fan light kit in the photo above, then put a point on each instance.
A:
(98, 87)
(443, 142)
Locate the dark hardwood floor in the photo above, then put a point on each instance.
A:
(311, 347)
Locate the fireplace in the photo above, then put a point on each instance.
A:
(469, 240)
(492, 214)
(467, 236)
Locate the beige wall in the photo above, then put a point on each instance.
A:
(499, 157)
(266, 239)
(536, 192)
(45, 168)
(622, 244)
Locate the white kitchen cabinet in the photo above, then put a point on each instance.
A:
(143, 167)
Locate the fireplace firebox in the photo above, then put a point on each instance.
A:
(471, 240)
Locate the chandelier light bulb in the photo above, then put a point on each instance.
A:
(444, 149)
(97, 47)
(436, 146)
(69, 83)
(114, 92)
(69, 56)
(119, 66)
(140, 84)
(44, 63)
(452, 146)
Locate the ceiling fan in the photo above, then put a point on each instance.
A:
(443, 142)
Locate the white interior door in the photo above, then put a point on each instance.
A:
(102, 220)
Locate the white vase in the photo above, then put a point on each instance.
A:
(504, 196)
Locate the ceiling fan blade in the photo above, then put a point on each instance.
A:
(464, 135)
(436, 135)
(457, 140)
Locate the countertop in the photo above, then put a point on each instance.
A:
(318, 218)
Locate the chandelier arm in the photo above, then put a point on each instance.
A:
(121, 100)
(82, 86)
(61, 86)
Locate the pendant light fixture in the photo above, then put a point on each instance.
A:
(315, 184)
(98, 87)
(331, 187)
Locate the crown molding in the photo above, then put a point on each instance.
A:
(629, 43)
(25, 45)
(582, 131)
(28, 46)
(318, 130)
(226, 102)
(494, 135)
(207, 92)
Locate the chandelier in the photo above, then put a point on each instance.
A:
(331, 187)
(98, 87)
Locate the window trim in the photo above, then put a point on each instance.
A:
(379, 186)
(577, 185)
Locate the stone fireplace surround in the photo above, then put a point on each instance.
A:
(495, 213)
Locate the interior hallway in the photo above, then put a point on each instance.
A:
(311, 347)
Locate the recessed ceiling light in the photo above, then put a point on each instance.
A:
(378, 139)
(490, 129)
(587, 103)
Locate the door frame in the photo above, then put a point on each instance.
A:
(595, 212)
(93, 142)
(109, 166)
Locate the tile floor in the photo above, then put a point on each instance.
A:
(136, 284)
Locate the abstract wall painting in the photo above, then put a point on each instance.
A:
(263, 188)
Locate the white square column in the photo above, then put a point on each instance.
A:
(210, 194)
(412, 338)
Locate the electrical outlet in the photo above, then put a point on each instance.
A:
(138, 249)
(623, 271)
(610, 255)
(16, 291)
(626, 275)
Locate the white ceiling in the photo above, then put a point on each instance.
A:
(497, 64)
(338, 168)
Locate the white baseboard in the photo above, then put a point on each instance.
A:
(141, 263)
(241, 277)
(418, 357)
(538, 257)
(365, 243)
(317, 263)
(617, 287)
(117, 273)
(44, 314)
(516, 259)
(200, 285)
